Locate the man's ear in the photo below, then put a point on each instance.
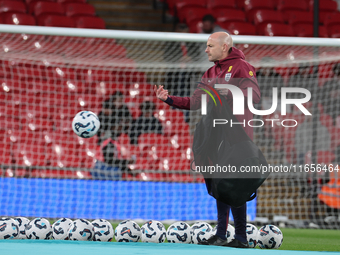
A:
(225, 47)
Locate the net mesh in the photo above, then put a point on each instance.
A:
(46, 80)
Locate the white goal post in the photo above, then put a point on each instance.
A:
(48, 74)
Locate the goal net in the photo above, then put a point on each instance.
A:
(138, 166)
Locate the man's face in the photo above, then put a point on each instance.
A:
(207, 27)
(214, 50)
(119, 102)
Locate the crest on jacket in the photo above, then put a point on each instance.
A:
(227, 77)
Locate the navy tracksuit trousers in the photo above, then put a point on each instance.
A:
(240, 220)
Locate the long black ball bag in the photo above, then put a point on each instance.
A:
(225, 145)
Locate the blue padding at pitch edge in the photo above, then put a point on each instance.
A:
(114, 200)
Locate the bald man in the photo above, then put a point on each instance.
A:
(230, 67)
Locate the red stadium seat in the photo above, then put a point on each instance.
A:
(307, 30)
(117, 77)
(71, 1)
(323, 16)
(60, 73)
(195, 15)
(240, 28)
(55, 21)
(292, 5)
(79, 9)
(152, 139)
(334, 31)
(229, 15)
(7, 122)
(333, 19)
(173, 115)
(31, 155)
(274, 29)
(324, 5)
(181, 142)
(252, 6)
(172, 128)
(140, 90)
(191, 14)
(186, 4)
(89, 22)
(196, 27)
(36, 124)
(327, 121)
(18, 19)
(12, 6)
(267, 16)
(240, 4)
(28, 2)
(39, 8)
(298, 17)
(217, 4)
(38, 111)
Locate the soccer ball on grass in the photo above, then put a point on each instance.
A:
(269, 237)
(103, 230)
(38, 228)
(153, 232)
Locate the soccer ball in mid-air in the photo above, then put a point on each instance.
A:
(230, 234)
(103, 230)
(38, 228)
(128, 231)
(251, 232)
(269, 237)
(85, 124)
(60, 229)
(201, 231)
(81, 230)
(21, 223)
(8, 228)
(153, 232)
(179, 232)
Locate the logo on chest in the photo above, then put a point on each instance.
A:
(227, 77)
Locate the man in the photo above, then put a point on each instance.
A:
(146, 123)
(303, 134)
(209, 26)
(112, 112)
(230, 66)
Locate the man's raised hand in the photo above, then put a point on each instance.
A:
(161, 93)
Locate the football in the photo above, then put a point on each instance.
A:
(179, 232)
(60, 229)
(21, 223)
(128, 231)
(201, 231)
(81, 230)
(85, 124)
(153, 232)
(38, 228)
(269, 237)
(103, 230)
(8, 228)
(230, 234)
(251, 232)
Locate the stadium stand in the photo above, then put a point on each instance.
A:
(12, 6)
(18, 19)
(258, 13)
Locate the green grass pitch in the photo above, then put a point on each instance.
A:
(305, 239)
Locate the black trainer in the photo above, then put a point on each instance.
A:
(237, 244)
(214, 240)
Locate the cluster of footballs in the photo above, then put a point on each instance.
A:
(62, 229)
(268, 237)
